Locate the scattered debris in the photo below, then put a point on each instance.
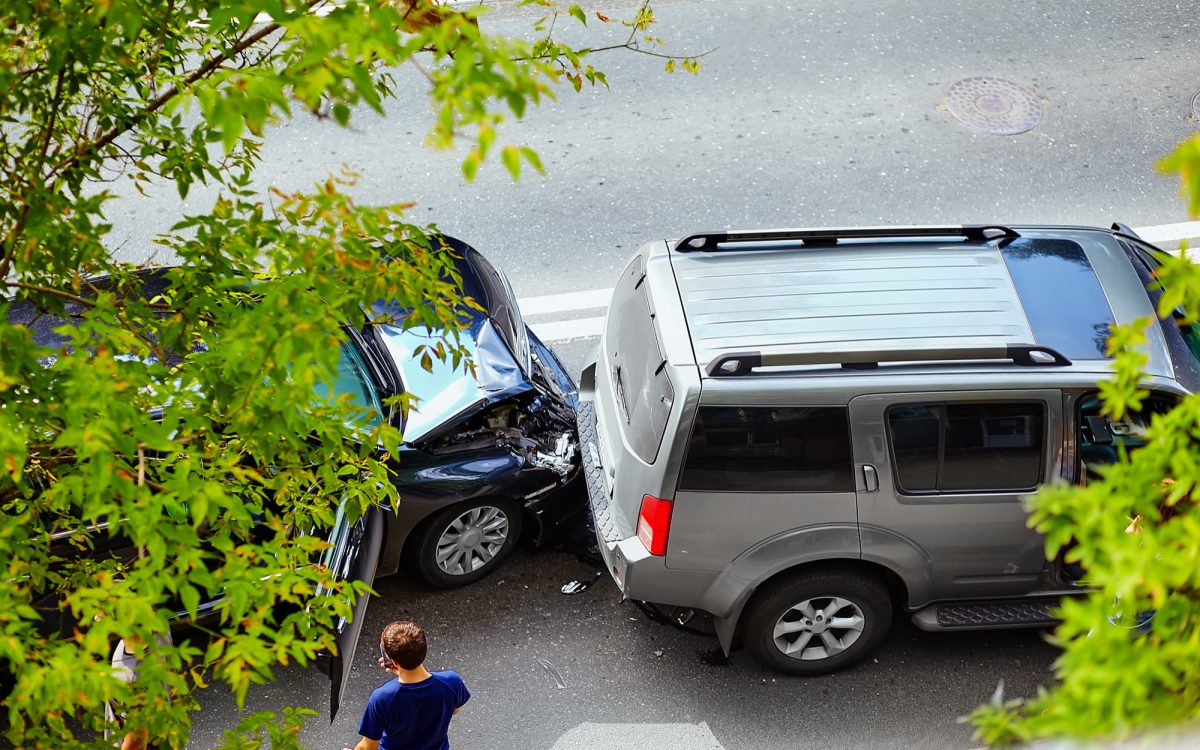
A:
(552, 670)
(570, 588)
(676, 617)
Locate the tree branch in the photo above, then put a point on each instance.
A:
(10, 243)
(210, 66)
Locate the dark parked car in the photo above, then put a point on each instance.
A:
(484, 456)
(488, 457)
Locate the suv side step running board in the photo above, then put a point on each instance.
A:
(1007, 613)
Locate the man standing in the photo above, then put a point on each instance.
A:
(413, 711)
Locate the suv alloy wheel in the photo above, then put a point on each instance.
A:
(818, 622)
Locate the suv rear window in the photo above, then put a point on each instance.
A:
(769, 449)
(636, 365)
(967, 447)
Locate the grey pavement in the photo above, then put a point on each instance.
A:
(630, 682)
(805, 114)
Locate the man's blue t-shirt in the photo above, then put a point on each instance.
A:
(416, 715)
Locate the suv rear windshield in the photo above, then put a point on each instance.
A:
(769, 449)
(636, 365)
(967, 447)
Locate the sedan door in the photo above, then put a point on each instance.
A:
(353, 557)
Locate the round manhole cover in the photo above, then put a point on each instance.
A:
(993, 105)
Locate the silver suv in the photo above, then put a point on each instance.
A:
(804, 431)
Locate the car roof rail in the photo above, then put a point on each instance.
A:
(705, 241)
(743, 363)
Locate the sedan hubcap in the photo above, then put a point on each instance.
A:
(472, 540)
(818, 628)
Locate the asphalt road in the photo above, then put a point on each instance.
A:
(630, 682)
(806, 114)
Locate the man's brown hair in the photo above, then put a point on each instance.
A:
(404, 643)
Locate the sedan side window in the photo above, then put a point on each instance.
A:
(958, 447)
(353, 380)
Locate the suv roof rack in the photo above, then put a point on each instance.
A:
(743, 363)
(705, 241)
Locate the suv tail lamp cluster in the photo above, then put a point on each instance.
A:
(654, 523)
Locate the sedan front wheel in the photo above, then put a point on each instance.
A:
(467, 542)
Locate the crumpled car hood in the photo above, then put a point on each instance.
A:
(447, 394)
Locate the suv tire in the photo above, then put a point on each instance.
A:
(828, 619)
(466, 542)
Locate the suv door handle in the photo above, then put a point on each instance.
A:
(870, 478)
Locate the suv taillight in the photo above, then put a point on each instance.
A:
(654, 523)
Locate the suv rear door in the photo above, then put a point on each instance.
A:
(776, 479)
(941, 480)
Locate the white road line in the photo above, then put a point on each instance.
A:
(564, 330)
(554, 303)
(1170, 232)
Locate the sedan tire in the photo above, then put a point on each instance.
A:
(466, 542)
(819, 622)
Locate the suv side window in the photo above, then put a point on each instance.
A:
(769, 449)
(1102, 440)
(967, 447)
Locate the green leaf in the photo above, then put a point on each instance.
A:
(470, 164)
(534, 160)
(516, 102)
(578, 14)
(231, 125)
(511, 156)
(190, 598)
(487, 137)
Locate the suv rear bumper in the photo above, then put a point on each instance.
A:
(637, 573)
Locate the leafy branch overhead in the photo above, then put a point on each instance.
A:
(189, 413)
(1136, 533)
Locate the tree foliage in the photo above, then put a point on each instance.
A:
(1137, 534)
(186, 417)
